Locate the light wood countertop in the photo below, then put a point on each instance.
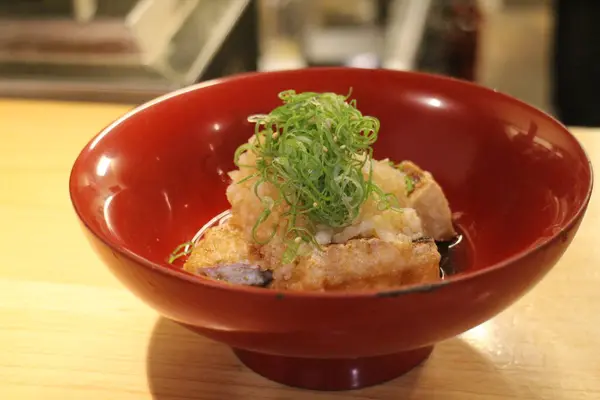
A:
(69, 330)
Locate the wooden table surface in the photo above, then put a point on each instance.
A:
(69, 330)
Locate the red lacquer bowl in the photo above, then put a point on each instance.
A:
(517, 180)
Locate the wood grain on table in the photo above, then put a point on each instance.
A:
(69, 330)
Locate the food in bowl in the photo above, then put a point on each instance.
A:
(517, 181)
(313, 210)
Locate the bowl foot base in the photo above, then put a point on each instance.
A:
(332, 374)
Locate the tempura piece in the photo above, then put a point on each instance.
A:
(362, 264)
(425, 210)
(223, 254)
(312, 210)
(428, 199)
(220, 245)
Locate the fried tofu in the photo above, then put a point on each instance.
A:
(428, 199)
(359, 264)
(220, 245)
(225, 255)
(362, 264)
(382, 249)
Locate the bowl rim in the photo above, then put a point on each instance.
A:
(403, 290)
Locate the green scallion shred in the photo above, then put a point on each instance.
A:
(182, 250)
(313, 150)
(410, 184)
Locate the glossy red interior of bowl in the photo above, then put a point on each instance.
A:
(517, 181)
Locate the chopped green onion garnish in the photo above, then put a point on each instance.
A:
(313, 150)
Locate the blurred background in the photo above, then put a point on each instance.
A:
(133, 50)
